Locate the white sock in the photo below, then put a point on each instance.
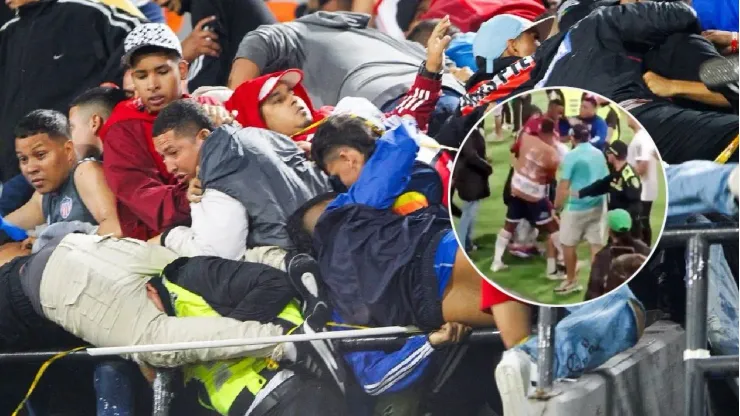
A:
(551, 266)
(555, 238)
(502, 241)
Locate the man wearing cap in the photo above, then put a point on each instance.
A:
(621, 242)
(623, 185)
(499, 45)
(581, 218)
(149, 198)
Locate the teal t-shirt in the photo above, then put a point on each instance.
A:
(583, 166)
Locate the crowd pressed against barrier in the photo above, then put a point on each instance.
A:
(261, 178)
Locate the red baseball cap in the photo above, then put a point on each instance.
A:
(292, 77)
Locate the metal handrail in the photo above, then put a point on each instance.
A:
(698, 362)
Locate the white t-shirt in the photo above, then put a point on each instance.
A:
(642, 148)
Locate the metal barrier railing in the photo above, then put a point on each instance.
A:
(545, 351)
(162, 386)
(698, 362)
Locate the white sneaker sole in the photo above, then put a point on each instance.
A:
(555, 277)
(498, 267)
(573, 289)
(511, 388)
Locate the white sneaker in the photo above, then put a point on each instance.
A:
(513, 381)
(556, 275)
(567, 287)
(497, 266)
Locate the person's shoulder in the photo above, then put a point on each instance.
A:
(97, 9)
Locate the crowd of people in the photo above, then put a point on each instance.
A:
(301, 187)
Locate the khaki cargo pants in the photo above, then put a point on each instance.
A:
(94, 287)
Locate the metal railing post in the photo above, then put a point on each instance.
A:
(545, 351)
(697, 283)
(162, 389)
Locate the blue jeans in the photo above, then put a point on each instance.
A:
(114, 388)
(699, 187)
(695, 188)
(465, 227)
(591, 334)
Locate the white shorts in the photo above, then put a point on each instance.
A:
(589, 225)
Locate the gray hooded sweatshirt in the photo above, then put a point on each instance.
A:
(267, 173)
(340, 57)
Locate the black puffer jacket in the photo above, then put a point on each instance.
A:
(50, 53)
(603, 52)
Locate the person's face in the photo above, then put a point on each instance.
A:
(524, 45)
(611, 159)
(84, 127)
(157, 80)
(15, 4)
(588, 109)
(555, 112)
(284, 112)
(45, 162)
(346, 165)
(180, 153)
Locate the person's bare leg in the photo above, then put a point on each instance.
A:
(571, 260)
(461, 299)
(554, 247)
(513, 320)
(595, 248)
(502, 242)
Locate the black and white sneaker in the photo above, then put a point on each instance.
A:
(319, 357)
(720, 72)
(303, 272)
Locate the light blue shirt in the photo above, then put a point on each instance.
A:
(583, 166)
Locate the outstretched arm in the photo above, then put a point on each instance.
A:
(600, 187)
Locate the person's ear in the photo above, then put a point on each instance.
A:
(183, 68)
(202, 135)
(511, 47)
(69, 150)
(96, 123)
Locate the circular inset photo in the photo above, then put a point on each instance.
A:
(561, 196)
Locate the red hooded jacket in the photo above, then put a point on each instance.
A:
(149, 199)
(418, 102)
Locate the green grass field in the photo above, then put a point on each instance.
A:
(526, 278)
